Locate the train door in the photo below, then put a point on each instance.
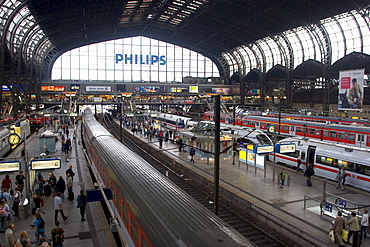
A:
(311, 151)
(292, 130)
(360, 140)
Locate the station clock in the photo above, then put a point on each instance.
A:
(14, 139)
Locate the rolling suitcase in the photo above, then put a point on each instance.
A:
(47, 190)
(71, 196)
(309, 183)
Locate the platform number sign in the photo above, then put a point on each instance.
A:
(329, 207)
(342, 203)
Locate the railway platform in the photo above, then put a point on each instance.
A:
(295, 206)
(94, 231)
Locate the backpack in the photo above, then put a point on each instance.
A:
(41, 224)
(2, 211)
(58, 235)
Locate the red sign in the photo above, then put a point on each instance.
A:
(345, 83)
(52, 88)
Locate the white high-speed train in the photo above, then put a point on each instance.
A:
(328, 158)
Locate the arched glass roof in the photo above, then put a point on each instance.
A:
(326, 41)
(138, 59)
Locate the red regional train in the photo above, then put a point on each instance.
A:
(310, 118)
(344, 134)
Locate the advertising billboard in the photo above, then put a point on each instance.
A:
(351, 90)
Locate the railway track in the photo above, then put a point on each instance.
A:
(247, 228)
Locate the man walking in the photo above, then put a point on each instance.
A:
(10, 239)
(339, 222)
(81, 204)
(57, 235)
(58, 207)
(19, 181)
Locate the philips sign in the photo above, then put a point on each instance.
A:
(140, 59)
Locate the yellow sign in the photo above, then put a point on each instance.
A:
(225, 138)
(45, 164)
(250, 147)
(12, 166)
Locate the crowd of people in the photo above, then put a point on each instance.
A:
(10, 198)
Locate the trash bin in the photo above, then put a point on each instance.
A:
(23, 209)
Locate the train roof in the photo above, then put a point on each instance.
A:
(339, 151)
(168, 215)
(344, 128)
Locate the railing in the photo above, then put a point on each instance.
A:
(332, 204)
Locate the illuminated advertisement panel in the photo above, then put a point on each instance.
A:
(11, 166)
(193, 89)
(220, 90)
(52, 88)
(45, 164)
(351, 90)
(147, 89)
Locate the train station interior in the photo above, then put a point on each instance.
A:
(228, 95)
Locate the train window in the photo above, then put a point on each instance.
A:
(340, 135)
(125, 215)
(291, 128)
(303, 155)
(286, 128)
(318, 132)
(311, 131)
(134, 234)
(327, 161)
(365, 170)
(298, 130)
(351, 137)
(326, 133)
(333, 134)
(295, 154)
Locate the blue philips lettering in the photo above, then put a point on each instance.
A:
(154, 59)
(140, 59)
(163, 60)
(127, 58)
(119, 57)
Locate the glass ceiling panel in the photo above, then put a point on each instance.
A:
(346, 32)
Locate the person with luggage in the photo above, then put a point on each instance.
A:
(309, 173)
(355, 230)
(282, 176)
(39, 224)
(57, 235)
(58, 207)
(338, 226)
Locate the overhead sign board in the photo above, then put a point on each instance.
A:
(10, 166)
(263, 149)
(45, 164)
(285, 148)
